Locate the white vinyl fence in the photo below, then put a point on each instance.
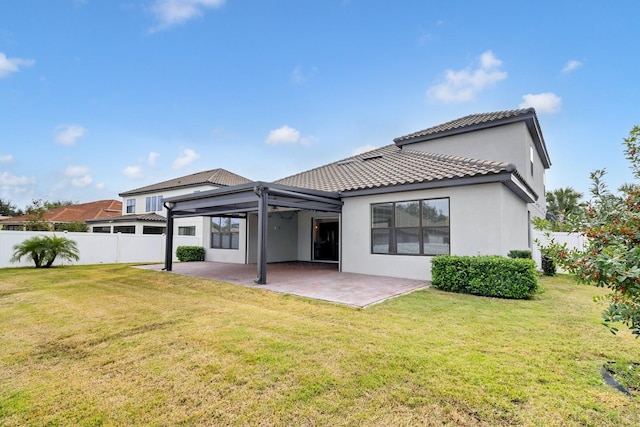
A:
(98, 248)
(573, 241)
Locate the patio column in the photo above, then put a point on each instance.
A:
(168, 251)
(263, 215)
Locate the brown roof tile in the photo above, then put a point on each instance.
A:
(79, 212)
(389, 166)
(470, 121)
(216, 177)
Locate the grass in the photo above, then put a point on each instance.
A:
(115, 345)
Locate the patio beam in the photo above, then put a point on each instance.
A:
(168, 251)
(263, 215)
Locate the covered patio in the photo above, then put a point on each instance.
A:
(310, 280)
(238, 201)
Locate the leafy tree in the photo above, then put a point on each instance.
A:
(76, 226)
(58, 204)
(563, 203)
(44, 250)
(35, 217)
(9, 209)
(611, 257)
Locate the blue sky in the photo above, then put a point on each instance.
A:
(99, 97)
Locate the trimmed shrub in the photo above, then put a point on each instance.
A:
(520, 253)
(548, 265)
(490, 276)
(190, 253)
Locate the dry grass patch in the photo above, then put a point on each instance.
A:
(115, 345)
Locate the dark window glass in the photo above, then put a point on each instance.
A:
(415, 227)
(225, 232)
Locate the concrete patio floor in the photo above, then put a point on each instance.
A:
(311, 280)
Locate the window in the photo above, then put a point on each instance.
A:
(149, 229)
(225, 232)
(416, 227)
(105, 229)
(153, 204)
(187, 231)
(125, 229)
(531, 157)
(131, 205)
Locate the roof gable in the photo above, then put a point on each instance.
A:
(476, 122)
(216, 177)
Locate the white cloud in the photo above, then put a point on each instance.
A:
(571, 65)
(80, 176)
(300, 76)
(82, 181)
(175, 12)
(69, 134)
(132, 172)
(464, 85)
(6, 158)
(287, 135)
(153, 157)
(188, 156)
(74, 171)
(363, 149)
(100, 186)
(547, 102)
(11, 180)
(12, 65)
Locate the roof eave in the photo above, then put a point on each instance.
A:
(508, 178)
(172, 187)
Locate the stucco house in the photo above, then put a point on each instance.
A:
(466, 187)
(143, 212)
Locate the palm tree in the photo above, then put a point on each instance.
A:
(60, 247)
(562, 202)
(33, 247)
(44, 250)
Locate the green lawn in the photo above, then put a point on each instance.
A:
(116, 345)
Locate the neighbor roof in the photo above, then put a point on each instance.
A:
(391, 166)
(77, 213)
(216, 177)
(479, 121)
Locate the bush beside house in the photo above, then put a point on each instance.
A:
(491, 276)
(190, 253)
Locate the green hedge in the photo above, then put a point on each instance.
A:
(520, 253)
(190, 253)
(491, 276)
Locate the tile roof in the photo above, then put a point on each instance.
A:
(390, 166)
(216, 177)
(469, 123)
(78, 212)
(153, 217)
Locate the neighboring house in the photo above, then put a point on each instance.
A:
(143, 212)
(469, 186)
(82, 212)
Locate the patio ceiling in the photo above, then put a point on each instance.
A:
(238, 200)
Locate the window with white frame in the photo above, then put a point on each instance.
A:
(131, 205)
(225, 232)
(414, 227)
(153, 204)
(187, 231)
